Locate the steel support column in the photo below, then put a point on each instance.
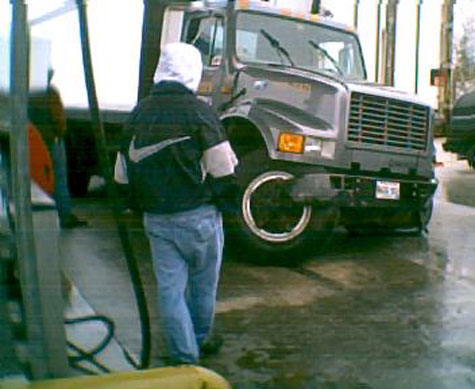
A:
(150, 49)
(390, 42)
(21, 191)
(418, 39)
(356, 14)
(378, 42)
(39, 266)
(445, 95)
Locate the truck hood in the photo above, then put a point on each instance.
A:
(302, 74)
(366, 87)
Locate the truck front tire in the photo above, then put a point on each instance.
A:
(270, 225)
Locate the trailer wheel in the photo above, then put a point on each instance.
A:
(271, 226)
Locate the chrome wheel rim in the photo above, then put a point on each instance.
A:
(270, 213)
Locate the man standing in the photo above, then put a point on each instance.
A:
(180, 170)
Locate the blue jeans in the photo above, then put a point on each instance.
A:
(61, 191)
(187, 251)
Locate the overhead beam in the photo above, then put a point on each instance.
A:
(67, 7)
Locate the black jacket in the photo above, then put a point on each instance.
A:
(164, 141)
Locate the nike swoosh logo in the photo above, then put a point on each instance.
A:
(139, 154)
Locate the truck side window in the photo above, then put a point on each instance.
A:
(206, 34)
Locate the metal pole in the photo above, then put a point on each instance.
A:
(150, 49)
(315, 7)
(105, 165)
(43, 319)
(21, 189)
(390, 46)
(378, 42)
(355, 16)
(446, 43)
(418, 38)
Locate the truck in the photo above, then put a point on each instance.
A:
(460, 138)
(319, 146)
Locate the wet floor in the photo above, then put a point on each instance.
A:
(369, 312)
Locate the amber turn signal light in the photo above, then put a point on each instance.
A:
(291, 143)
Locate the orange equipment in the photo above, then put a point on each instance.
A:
(41, 166)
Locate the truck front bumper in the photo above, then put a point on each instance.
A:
(360, 191)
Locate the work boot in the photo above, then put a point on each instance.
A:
(72, 221)
(168, 361)
(211, 346)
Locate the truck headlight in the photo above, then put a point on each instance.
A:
(291, 143)
(313, 145)
(319, 147)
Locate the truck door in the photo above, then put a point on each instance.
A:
(206, 33)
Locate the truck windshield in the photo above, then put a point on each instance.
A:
(270, 39)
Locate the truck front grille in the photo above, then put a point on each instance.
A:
(387, 122)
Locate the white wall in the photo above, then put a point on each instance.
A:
(115, 28)
(39, 53)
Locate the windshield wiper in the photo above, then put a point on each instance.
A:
(325, 53)
(276, 45)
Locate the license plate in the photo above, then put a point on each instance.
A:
(387, 190)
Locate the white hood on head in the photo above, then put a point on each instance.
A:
(180, 62)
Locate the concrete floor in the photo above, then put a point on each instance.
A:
(369, 312)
